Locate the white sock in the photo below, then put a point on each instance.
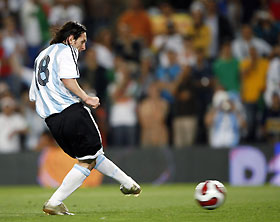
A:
(72, 181)
(108, 168)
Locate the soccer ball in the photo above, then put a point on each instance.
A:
(210, 194)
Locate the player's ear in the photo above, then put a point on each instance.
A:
(71, 40)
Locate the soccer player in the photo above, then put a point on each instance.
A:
(58, 99)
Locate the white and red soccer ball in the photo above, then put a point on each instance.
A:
(210, 194)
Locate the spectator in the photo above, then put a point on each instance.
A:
(199, 30)
(265, 28)
(185, 110)
(19, 76)
(11, 7)
(242, 44)
(35, 27)
(219, 26)
(4, 90)
(234, 14)
(98, 15)
(122, 114)
(22, 75)
(5, 63)
(204, 81)
(94, 80)
(168, 14)
(152, 116)
(64, 11)
(187, 56)
(224, 121)
(168, 75)
(12, 126)
(35, 124)
(226, 69)
(127, 46)
(253, 77)
(104, 49)
(13, 42)
(94, 75)
(12, 48)
(4, 9)
(146, 76)
(137, 18)
(273, 78)
(167, 41)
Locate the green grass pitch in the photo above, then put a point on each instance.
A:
(156, 203)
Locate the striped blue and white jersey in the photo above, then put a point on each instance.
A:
(58, 61)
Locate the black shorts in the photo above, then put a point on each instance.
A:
(75, 131)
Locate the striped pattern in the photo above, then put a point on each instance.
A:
(54, 97)
(83, 170)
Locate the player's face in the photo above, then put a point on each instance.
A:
(80, 43)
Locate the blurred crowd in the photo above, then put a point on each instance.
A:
(167, 75)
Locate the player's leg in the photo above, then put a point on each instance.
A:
(72, 181)
(108, 168)
(76, 176)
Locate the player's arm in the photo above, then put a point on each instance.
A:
(74, 87)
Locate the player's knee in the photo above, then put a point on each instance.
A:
(89, 163)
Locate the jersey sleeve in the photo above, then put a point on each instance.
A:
(68, 68)
(32, 95)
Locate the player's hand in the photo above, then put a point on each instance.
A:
(92, 101)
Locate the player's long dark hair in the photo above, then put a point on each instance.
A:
(69, 28)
